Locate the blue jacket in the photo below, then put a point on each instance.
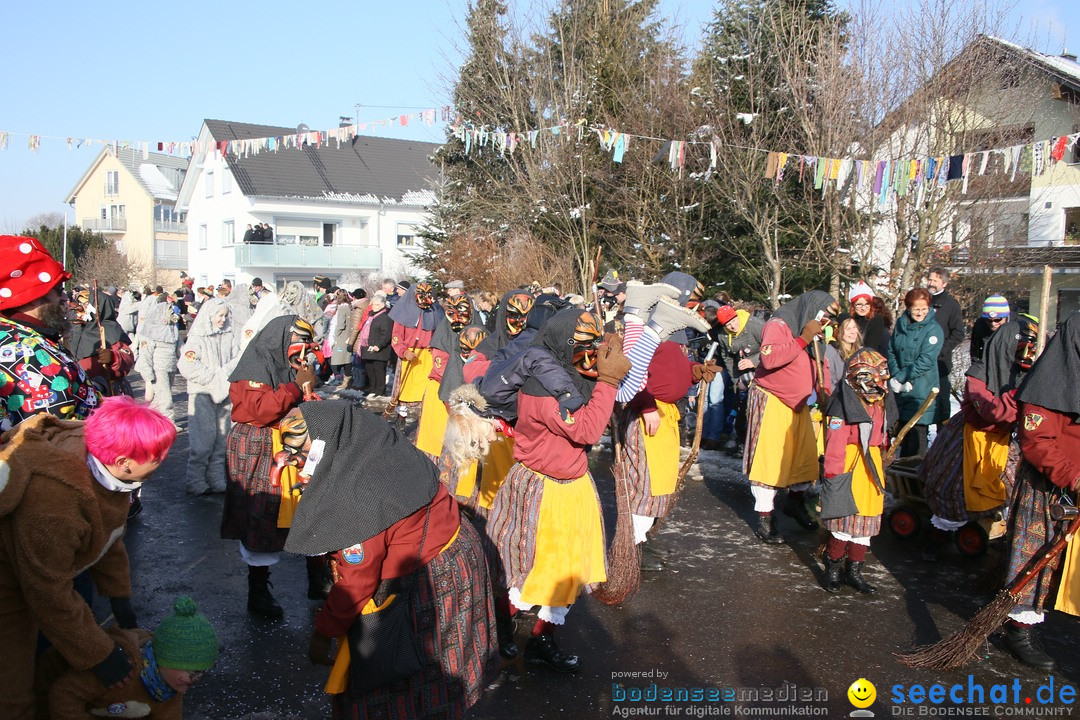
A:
(913, 354)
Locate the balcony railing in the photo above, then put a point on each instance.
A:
(345, 257)
(167, 226)
(105, 225)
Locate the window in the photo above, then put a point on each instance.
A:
(228, 233)
(1072, 226)
(210, 184)
(226, 183)
(406, 236)
(112, 182)
(202, 237)
(170, 254)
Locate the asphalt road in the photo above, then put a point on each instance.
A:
(730, 615)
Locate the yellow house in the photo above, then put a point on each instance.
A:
(130, 197)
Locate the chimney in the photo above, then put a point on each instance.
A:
(1068, 55)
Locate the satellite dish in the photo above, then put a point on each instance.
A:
(302, 128)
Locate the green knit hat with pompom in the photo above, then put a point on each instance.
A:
(185, 640)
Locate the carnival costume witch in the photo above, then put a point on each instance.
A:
(970, 469)
(546, 519)
(444, 353)
(778, 417)
(264, 386)
(415, 317)
(394, 535)
(853, 492)
(1049, 433)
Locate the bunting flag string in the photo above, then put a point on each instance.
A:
(244, 147)
(885, 179)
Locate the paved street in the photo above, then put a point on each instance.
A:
(730, 612)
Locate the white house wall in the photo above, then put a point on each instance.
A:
(358, 225)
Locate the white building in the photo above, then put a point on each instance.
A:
(334, 210)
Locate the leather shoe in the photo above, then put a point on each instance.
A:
(766, 530)
(651, 561)
(1021, 642)
(504, 629)
(543, 650)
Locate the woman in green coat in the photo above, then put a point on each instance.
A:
(913, 351)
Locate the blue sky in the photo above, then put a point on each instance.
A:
(150, 71)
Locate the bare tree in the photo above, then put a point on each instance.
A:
(109, 267)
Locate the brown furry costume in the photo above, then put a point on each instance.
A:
(56, 521)
(77, 695)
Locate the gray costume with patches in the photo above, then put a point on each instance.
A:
(206, 361)
(156, 362)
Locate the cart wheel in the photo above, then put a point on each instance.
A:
(904, 522)
(972, 540)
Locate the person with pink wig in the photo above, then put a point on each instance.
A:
(64, 495)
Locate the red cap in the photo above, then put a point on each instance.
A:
(724, 314)
(28, 271)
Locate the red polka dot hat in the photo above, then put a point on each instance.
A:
(27, 271)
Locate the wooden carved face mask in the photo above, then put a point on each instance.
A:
(586, 341)
(425, 298)
(469, 339)
(517, 312)
(459, 312)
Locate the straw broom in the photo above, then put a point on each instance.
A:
(399, 382)
(624, 556)
(962, 646)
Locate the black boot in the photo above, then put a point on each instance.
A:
(1021, 642)
(504, 629)
(543, 650)
(260, 601)
(833, 571)
(795, 508)
(855, 578)
(319, 580)
(651, 560)
(766, 529)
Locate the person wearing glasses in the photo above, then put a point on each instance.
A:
(171, 661)
(875, 333)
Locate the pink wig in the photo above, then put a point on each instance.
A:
(121, 426)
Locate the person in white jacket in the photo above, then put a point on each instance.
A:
(206, 361)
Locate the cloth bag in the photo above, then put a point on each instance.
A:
(383, 648)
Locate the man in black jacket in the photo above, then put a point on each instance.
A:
(950, 317)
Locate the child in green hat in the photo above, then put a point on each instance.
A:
(169, 663)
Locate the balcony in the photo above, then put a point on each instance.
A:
(166, 226)
(341, 257)
(106, 225)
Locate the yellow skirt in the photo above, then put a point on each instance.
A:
(985, 456)
(414, 381)
(868, 499)
(1068, 597)
(662, 450)
(466, 481)
(786, 452)
(497, 464)
(290, 487)
(433, 417)
(569, 551)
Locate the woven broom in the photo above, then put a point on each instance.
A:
(962, 646)
(624, 556)
(399, 382)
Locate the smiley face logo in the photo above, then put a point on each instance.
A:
(862, 693)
